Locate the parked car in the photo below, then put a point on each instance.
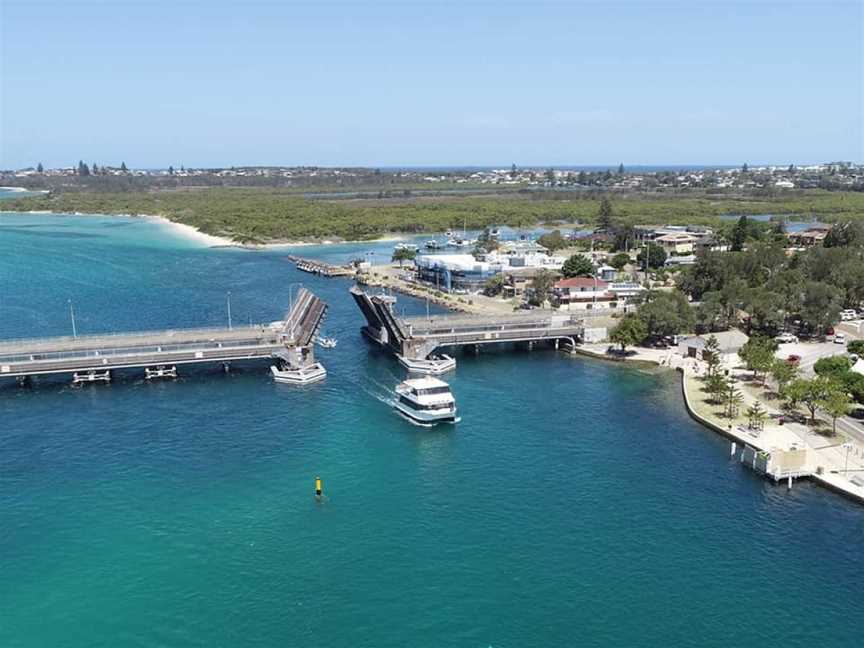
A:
(793, 359)
(786, 338)
(848, 314)
(840, 338)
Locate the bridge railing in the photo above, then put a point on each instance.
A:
(91, 337)
(114, 352)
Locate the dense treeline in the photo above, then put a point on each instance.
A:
(805, 291)
(260, 214)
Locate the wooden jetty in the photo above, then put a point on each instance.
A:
(321, 268)
(92, 358)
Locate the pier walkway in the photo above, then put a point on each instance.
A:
(419, 337)
(321, 268)
(149, 349)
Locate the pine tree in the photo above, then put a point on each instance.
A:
(739, 234)
(621, 169)
(82, 169)
(39, 168)
(94, 169)
(744, 168)
(123, 167)
(171, 170)
(605, 216)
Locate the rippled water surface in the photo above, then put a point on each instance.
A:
(575, 504)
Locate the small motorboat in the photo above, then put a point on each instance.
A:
(434, 365)
(425, 401)
(326, 342)
(300, 376)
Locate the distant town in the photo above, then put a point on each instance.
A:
(829, 176)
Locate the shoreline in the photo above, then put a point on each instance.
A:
(669, 360)
(192, 233)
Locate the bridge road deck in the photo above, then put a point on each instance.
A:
(59, 355)
(418, 337)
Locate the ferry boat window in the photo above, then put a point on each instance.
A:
(431, 391)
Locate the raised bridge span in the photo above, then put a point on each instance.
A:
(419, 337)
(295, 334)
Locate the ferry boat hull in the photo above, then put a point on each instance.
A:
(426, 418)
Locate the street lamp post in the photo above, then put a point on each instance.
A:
(72, 317)
(229, 310)
(848, 447)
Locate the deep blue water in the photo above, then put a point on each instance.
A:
(575, 504)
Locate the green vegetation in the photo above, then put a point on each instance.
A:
(403, 254)
(655, 255)
(758, 354)
(541, 287)
(631, 330)
(805, 291)
(553, 241)
(577, 265)
(261, 214)
(666, 314)
(494, 285)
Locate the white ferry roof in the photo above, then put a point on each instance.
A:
(427, 382)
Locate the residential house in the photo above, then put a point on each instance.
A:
(677, 242)
(583, 293)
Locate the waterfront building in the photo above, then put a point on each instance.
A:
(518, 280)
(583, 293)
(454, 272)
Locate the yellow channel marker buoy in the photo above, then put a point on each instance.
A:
(318, 489)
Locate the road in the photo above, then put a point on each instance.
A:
(810, 353)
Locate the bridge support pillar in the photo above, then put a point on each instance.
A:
(531, 345)
(556, 343)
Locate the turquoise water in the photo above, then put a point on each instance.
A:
(576, 503)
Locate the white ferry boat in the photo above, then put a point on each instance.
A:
(426, 401)
(436, 365)
(302, 376)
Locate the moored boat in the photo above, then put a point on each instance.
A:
(426, 401)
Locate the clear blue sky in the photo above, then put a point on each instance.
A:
(471, 82)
